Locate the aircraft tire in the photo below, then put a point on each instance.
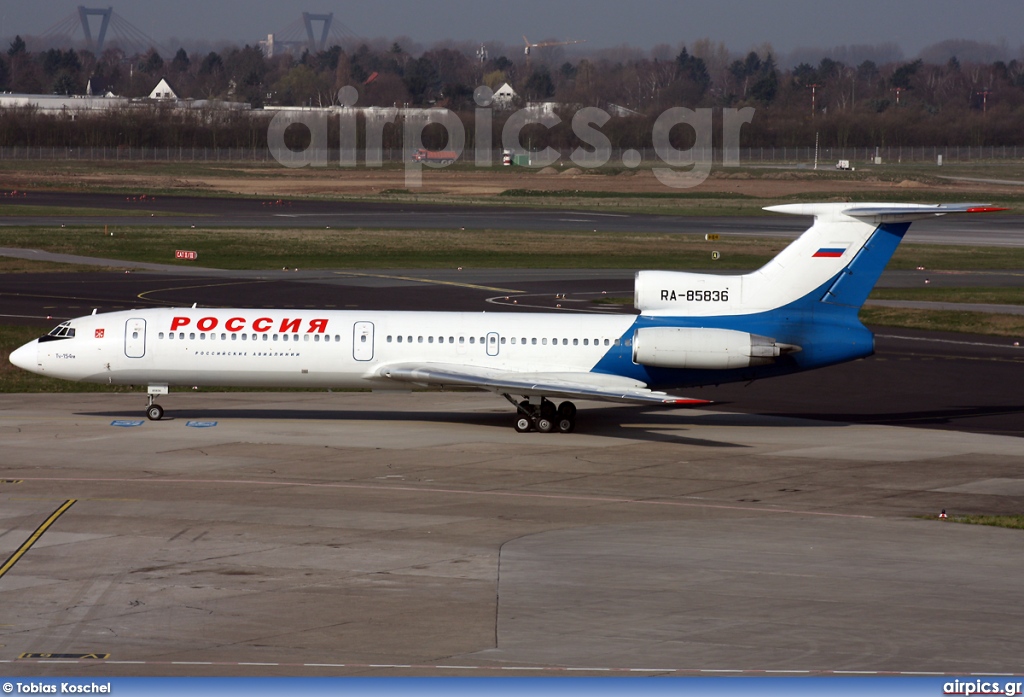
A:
(523, 424)
(566, 425)
(155, 412)
(567, 410)
(545, 425)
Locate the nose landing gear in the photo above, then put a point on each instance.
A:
(154, 411)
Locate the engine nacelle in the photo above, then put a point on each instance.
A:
(699, 348)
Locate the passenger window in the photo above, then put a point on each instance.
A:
(181, 335)
(586, 342)
(389, 338)
(544, 341)
(513, 341)
(264, 337)
(502, 341)
(275, 337)
(565, 342)
(472, 339)
(419, 339)
(575, 342)
(161, 335)
(606, 342)
(534, 341)
(462, 339)
(316, 337)
(451, 340)
(362, 339)
(399, 339)
(234, 337)
(430, 339)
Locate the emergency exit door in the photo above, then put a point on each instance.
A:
(135, 338)
(362, 341)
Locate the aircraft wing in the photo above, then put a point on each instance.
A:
(599, 386)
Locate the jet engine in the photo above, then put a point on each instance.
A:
(700, 348)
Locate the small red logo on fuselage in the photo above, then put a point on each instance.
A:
(99, 333)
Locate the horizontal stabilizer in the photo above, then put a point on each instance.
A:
(883, 212)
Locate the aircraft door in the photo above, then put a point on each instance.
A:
(492, 343)
(135, 338)
(362, 341)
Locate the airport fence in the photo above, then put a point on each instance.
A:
(748, 156)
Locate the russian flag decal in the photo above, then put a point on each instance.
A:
(830, 252)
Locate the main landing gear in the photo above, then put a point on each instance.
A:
(544, 417)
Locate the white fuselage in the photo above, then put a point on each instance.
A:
(314, 348)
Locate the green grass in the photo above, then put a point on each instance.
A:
(1015, 522)
(945, 321)
(26, 210)
(993, 296)
(274, 249)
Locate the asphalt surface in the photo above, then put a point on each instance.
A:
(1002, 229)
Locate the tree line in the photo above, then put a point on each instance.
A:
(905, 103)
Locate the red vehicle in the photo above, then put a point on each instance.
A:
(444, 157)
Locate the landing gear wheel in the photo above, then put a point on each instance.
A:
(566, 425)
(545, 425)
(155, 412)
(523, 424)
(548, 410)
(567, 410)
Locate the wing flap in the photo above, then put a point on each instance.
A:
(597, 386)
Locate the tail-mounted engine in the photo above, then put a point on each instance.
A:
(700, 348)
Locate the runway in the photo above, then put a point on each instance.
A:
(789, 528)
(1004, 229)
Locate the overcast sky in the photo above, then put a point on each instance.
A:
(741, 24)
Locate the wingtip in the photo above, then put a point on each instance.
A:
(686, 402)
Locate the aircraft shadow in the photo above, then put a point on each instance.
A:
(626, 423)
(952, 417)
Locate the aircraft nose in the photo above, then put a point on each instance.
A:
(25, 356)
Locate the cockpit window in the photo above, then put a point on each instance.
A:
(64, 330)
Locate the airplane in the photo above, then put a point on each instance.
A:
(798, 312)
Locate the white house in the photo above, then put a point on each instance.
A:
(504, 97)
(162, 91)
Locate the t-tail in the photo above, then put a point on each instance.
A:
(799, 310)
(837, 261)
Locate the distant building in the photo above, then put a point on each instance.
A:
(504, 97)
(90, 102)
(162, 91)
